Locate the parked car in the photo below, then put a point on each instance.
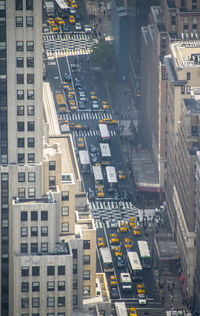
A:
(78, 26)
(114, 293)
(91, 194)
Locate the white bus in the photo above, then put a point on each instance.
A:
(49, 7)
(98, 176)
(111, 178)
(120, 308)
(104, 132)
(106, 259)
(62, 7)
(105, 154)
(135, 266)
(125, 281)
(144, 253)
(84, 161)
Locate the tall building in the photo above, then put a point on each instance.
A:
(48, 249)
(183, 124)
(197, 202)
(170, 21)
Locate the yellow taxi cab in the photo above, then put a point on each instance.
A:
(72, 125)
(128, 243)
(132, 311)
(113, 280)
(59, 21)
(72, 102)
(105, 105)
(100, 192)
(100, 242)
(54, 27)
(108, 121)
(118, 251)
(70, 96)
(93, 95)
(114, 239)
(140, 288)
(61, 110)
(136, 231)
(70, 91)
(132, 221)
(123, 227)
(72, 19)
(74, 5)
(73, 107)
(121, 175)
(64, 122)
(80, 142)
(65, 85)
(51, 21)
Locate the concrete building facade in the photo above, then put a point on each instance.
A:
(197, 203)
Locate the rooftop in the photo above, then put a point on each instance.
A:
(166, 247)
(186, 53)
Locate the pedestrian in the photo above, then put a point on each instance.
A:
(173, 285)
(99, 20)
(104, 12)
(168, 287)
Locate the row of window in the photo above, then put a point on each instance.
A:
(30, 94)
(34, 231)
(30, 110)
(22, 193)
(52, 314)
(36, 286)
(34, 216)
(20, 46)
(30, 78)
(21, 176)
(29, 62)
(19, 4)
(34, 247)
(21, 142)
(36, 270)
(30, 126)
(36, 302)
(20, 22)
(21, 158)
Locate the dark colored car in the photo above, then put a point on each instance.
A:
(67, 77)
(114, 293)
(91, 194)
(65, 28)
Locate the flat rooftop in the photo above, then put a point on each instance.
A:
(186, 53)
(166, 247)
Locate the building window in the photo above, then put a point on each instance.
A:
(19, 21)
(50, 270)
(21, 176)
(44, 246)
(19, 46)
(29, 4)
(30, 46)
(20, 142)
(75, 284)
(30, 78)
(65, 227)
(24, 248)
(50, 286)
(35, 302)
(30, 94)
(21, 158)
(36, 271)
(34, 231)
(52, 165)
(182, 90)
(65, 211)
(21, 193)
(31, 142)
(188, 75)
(35, 286)
(188, 89)
(86, 290)
(24, 287)
(86, 275)
(44, 215)
(24, 231)
(61, 301)
(61, 285)
(30, 62)
(31, 158)
(75, 300)
(20, 110)
(20, 78)
(20, 94)
(74, 268)
(65, 196)
(29, 21)
(24, 271)
(86, 259)
(86, 244)
(194, 4)
(182, 3)
(50, 314)
(20, 62)
(52, 181)
(24, 216)
(74, 252)
(19, 4)
(24, 302)
(34, 216)
(31, 177)
(61, 314)
(50, 301)
(31, 192)
(44, 231)
(61, 270)
(30, 110)
(34, 247)
(20, 126)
